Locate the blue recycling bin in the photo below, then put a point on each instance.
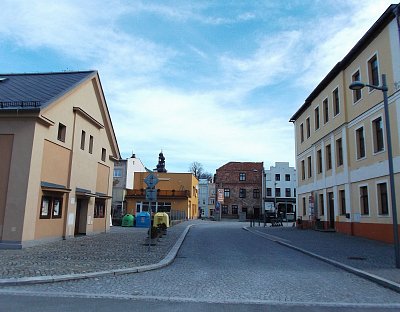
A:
(143, 220)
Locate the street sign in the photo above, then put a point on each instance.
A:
(220, 195)
(151, 194)
(151, 180)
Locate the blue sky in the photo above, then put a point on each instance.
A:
(206, 81)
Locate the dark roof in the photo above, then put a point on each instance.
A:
(242, 166)
(370, 35)
(37, 90)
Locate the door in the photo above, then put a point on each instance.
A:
(81, 216)
(331, 209)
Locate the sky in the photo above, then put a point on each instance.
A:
(201, 81)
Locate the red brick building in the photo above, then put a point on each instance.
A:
(242, 185)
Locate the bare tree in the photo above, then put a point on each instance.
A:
(196, 168)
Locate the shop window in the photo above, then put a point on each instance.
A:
(51, 207)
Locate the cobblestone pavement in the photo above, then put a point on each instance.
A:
(368, 255)
(121, 248)
(219, 262)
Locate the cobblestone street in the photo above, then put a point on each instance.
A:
(221, 262)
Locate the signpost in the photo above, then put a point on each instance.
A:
(151, 195)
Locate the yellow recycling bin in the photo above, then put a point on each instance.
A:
(160, 218)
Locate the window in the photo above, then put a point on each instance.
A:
(373, 73)
(356, 93)
(301, 133)
(91, 144)
(269, 191)
(51, 207)
(336, 103)
(277, 177)
(309, 167)
(308, 127)
(360, 143)
(304, 206)
(294, 192)
(321, 204)
(83, 137)
(242, 176)
(234, 209)
(288, 193)
(383, 199)
(242, 193)
(61, 132)
(103, 154)
(364, 207)
(277, 192)
(325, 104)
(224, 209)
(339, 152)
(328, 152)
(287, 177)
(316, 117)
(227, 193)
(256, 193)
(319, 161)
(99, 206)
(117, 173)
(303, 171)
(377, 129)
(342, 202)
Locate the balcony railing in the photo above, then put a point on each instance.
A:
(138, 193)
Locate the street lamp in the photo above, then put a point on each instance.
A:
(358, 85)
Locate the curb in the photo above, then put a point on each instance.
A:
(169, 258)
(371, 277)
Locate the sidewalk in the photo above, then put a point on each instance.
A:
(120, 251)
(367, 258)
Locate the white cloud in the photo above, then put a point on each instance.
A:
(218, 123)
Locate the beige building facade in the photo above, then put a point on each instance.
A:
(177, 194)
(341, 146)
(58, 148)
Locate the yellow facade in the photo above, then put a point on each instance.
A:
(56, 187)
(177, 194)
(341, 150)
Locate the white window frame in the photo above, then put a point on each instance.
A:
(369, 200)
(373, 134)
(333, 103)
(351, 80)
(356, 143)
(388, 198)
(371, 90)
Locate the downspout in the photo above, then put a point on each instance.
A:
(69, 182)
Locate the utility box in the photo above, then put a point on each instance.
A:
(128, 220)
(143, 220)
(160, 218)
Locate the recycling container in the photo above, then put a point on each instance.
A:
(143, 219)
(161, 217)
(128, 220)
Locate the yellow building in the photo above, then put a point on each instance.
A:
(177, 194)
(341, 149)
(57, 148)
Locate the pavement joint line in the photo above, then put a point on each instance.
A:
(168, 259)
(369, 276)
(269, 236)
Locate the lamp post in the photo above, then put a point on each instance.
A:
(358, 85)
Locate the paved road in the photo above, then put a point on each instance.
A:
(220, 263)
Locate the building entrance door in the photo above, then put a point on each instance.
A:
(81, 216)
(331, 211)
